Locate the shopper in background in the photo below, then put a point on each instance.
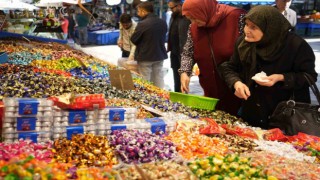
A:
(268, 46)
(127, 27)
(64, 23)
(178, 30)
(289, 14)
(82, 22)
(72, 24)
(149, 38)
(217, 26)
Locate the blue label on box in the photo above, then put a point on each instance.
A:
(74, 130)
(157, 125)
(116, 115)
(29, 135)
(118, 127)
(28, 107)
(26, 123)
(77, 117)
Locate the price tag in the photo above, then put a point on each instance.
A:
(121, 79)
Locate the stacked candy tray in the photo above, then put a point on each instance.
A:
(27, 119)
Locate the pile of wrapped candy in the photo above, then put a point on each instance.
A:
(200, 144)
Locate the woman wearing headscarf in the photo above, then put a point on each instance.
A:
(268, 46)
(217, 27)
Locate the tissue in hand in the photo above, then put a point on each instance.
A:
(259, 77)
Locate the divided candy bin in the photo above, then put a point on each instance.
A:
(3, 57)
(194, 101)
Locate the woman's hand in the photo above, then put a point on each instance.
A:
(185, 80)
(120, 43)
(242, 90)
(272, 79)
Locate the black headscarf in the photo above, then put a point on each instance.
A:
(275, 28)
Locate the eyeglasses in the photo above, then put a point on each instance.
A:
(173, 7)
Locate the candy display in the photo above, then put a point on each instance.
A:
(134, 146)
(41, 151)
(62, 119)
(222, 167)
(287, 150)
(283, 168)
(158, 170)
(85, 150)
(237, 144)
(191, 145)
(28, 167)
(26, 118)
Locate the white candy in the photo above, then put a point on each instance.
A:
(90, 112)
(10, 109)
(100, 132)
(9, 119)
(57, 123)
(89, 116)
(92, 132)
(101, 116)
(65, 113)
(65, 123)
(57, 113)
(9, 114)
(57, 130)
(56, 136)
(9, 136)
(7, 125)
(38, 128)
(40, 108)
(65, 119)
(47, 113)
(38, 123)
(46, 123)
(57, 119)
(101, 121)
(45, 128)
(90, 121)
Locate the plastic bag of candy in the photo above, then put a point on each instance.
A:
(239, 131)
(275, 135)
(211, 128)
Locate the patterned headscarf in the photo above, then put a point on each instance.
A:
(208, 11)
(275, 28)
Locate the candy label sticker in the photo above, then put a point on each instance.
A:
(28, 107)
(26, 123)
(29, 135)
(116, 115)
(74, 130)
(77, 117)
(158, 126)
(118, 127)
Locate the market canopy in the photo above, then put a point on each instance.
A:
(58, 3)
(16, 4)
(247, 1)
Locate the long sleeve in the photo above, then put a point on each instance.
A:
(187, 60)
(137, 35)
(120, 33)
(230, 70)
(304, 62)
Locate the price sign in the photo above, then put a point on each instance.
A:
(121, 79)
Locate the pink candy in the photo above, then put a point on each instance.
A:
(41, 151)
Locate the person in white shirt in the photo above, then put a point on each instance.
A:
(289, 14)
(127, 27)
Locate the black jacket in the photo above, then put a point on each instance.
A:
(149, 38)
(178, 32)
(296, 58)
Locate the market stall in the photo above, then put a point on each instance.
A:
(78, 126)
(103, 37)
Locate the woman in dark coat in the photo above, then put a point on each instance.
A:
(268, 46)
